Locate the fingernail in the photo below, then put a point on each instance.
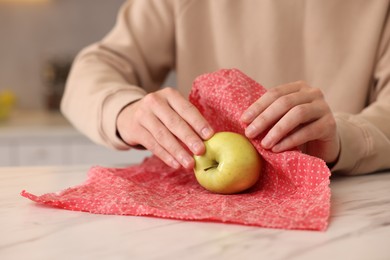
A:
(206, 132)
(266, 142)
(186, 161)
(246, 116)
(197, 147)
(175, 164)
(250, 131)
(276, 149)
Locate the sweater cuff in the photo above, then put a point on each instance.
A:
(112, 106)
(355, 144)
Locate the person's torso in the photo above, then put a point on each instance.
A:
(329, 44)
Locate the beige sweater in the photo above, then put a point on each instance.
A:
(341, 47)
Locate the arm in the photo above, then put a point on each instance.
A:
(297, 115)
(108, 75)
(365, 137)
(104, 98)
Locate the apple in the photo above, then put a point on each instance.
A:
(230, 164)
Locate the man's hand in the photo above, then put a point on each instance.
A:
(163, 122)
(295, 115)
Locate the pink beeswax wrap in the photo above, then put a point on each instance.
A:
(293, 192)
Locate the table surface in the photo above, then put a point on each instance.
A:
(359, 226)
(26, 124)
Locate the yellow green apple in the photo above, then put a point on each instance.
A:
(230, 164)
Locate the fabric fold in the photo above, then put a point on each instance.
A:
(292, 193)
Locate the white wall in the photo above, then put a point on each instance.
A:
(32, 34)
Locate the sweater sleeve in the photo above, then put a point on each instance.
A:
(132, 60)
(365, 137)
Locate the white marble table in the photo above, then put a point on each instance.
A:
(359, 226)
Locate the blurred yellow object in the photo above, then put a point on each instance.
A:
(7, 102)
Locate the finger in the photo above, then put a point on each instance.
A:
(191, 115)
(295, 117)
(168, 141)
(275, 111)
(152, 145)
(267, 99)
(179, 128)
(307, 133)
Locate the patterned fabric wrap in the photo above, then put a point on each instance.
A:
(292, 193)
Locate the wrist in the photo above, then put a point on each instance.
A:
(122, 121)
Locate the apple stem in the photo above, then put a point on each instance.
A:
(211, 167)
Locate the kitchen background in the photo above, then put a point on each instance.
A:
(35, 34)
(39, 39)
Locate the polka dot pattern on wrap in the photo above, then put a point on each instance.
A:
(293, 192)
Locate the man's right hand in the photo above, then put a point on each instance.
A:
(162, 122)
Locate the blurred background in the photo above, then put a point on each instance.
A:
(39, 39)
